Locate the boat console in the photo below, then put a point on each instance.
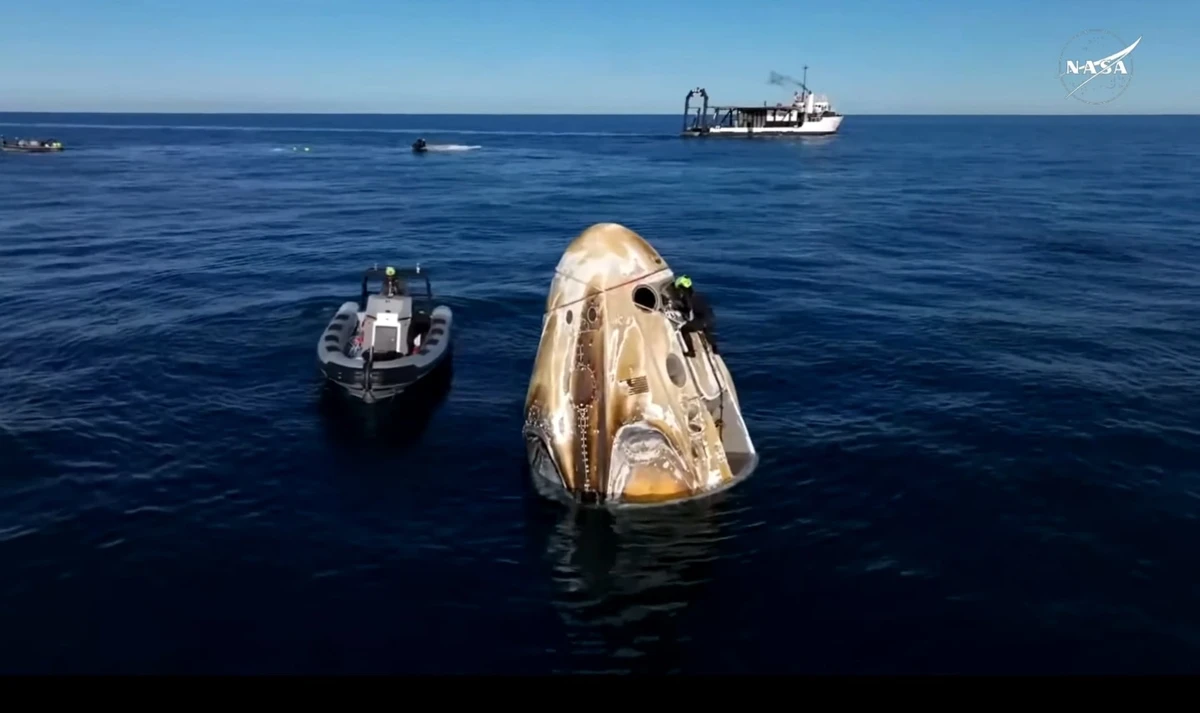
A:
(390, 317)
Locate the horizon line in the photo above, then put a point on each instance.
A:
(551, 114)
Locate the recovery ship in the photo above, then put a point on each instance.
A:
(807, 115)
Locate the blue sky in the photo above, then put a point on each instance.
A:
(578, 56)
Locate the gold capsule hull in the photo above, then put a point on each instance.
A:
(617, 412)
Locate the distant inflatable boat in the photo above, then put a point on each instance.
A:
(31, 145)
(419, 146)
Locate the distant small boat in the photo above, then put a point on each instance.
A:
(807, 115)
(31, 145)
(419, 146)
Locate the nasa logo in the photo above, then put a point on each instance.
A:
(1093, 54)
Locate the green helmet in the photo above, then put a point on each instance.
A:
(683, 281)
(390, 271)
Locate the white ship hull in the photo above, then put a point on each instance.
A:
(814, 127)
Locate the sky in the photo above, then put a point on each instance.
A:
(580, 56)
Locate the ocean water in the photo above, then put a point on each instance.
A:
(967, 348)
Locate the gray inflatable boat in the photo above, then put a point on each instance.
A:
(375, 348)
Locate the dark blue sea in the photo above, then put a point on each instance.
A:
(968, 350)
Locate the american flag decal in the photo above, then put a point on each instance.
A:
(637, 385)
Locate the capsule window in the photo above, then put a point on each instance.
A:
(645, 297)
(675, 370)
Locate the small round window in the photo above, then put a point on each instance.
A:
(646, 298)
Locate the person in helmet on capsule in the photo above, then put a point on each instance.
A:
(700, 315)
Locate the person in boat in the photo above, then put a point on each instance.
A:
(391, 284)
(419, 145)
(362, 339)
(701, 318)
